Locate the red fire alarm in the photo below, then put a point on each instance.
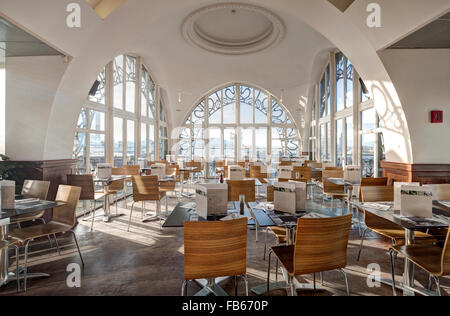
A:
(437, 117)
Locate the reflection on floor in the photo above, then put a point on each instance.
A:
(149, 261)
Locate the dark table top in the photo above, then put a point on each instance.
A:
(441, 219)
(184, 211)
(26, 207)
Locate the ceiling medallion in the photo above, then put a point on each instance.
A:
(233, 29)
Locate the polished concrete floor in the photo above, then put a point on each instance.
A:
(149, 261)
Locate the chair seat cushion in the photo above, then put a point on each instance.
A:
(425, 256)
(24, 234)
(285, 255)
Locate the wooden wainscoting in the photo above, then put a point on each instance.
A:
(423, 173)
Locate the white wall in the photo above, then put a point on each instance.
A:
(422, 80)
(31, 85)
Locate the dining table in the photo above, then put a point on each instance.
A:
(105, 183)
(385, 210)
(22, 207)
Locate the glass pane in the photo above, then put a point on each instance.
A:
(151, 134)
(278, 132)
(349, 126)
(229, 105)
(246, 144)
(246, 105)
(277, 150)
(118, 82)
(293, 149)
(198, 143)
(143, 141)
(214, 105)
(328, 157)
(131, 143)
(323, 142)
(79, 152)
(322, 97)
(367, 154)
(229, 143)
(99, 96)
(381, 153)
(328, 92)
(162, 113)
(349, 84)
(215, 140)
(184, 149)
(97, 150)
(278, 114)
(198, 115)
(118, 142)
(131, 84)
(82, 119)
(261, 107)
(368, 119)
(339, 143)
(97, 121)
(261, 144)
(340, 86)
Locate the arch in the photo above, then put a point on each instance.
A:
(319, 14)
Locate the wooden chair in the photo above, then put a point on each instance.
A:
(315, 165)
(236, 188)
(334, 169)
(321, 245)
(64, 221)
(285, 163)
(86, 183)
(220, 164)
(382, 226)
(33, 189)
(132, 170)
(213, 250)
(198, 168)
(303, 173)
(333, 190)
(145, 189)
(255, 173)
(433, 259)
(372, 182)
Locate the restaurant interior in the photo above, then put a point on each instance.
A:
(217, 148)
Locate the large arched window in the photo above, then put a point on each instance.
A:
(121, 121)
(238, 122)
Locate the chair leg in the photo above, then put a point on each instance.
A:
(184, 288)
(292, 286)
(235, 281)
(430, 282)
(362, 244)
(346, 281)
(17, 268)
(393, 272)
(131, 212)
(49, 239)
(265, 243)
(268, 274)
(244, 277)
(438, 286)
(25, 271)
(93, 216)
(78, 247)
(57, 244)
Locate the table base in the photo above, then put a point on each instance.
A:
(13, 277)
(211, 287)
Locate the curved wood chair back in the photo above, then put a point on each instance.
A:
(117, 185)
(441, 192)
(241, 187)
(66, 214)
(321, 244)
(329, 186)
(285, 163)
(165, 162)
(372, 182)
(145, 188)
(220, 164)
(255, 173)
(315, 165)
(119, 172)
(85, 182)
(194, 164)
(334, 168)
(132, 170)
(215, 249)
(304, 172)
(377, 194)
(35, 189)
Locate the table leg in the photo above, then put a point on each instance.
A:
(408, 274)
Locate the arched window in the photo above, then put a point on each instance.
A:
(238, 122)
(120, 122)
